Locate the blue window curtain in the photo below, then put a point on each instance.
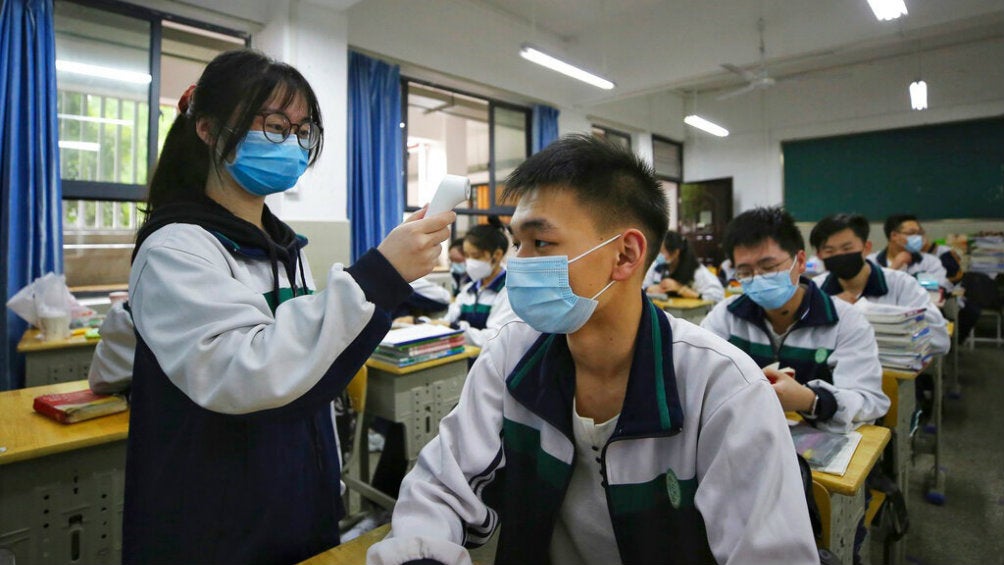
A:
(31, 205)
(545, 126)
(375, 160)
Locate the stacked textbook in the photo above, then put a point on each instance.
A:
(417, 344)
(902, 333)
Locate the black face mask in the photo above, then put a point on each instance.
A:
(845, 266)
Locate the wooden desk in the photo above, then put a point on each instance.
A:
(351, 552)
(690, 309)
(846, 494)
(50, 362)
(61, 486)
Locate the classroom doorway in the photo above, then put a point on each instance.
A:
(705, 208)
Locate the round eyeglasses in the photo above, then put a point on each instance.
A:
(277, 128)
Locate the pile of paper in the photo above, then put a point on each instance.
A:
(987, 254)
(416, 344)
(904, 339)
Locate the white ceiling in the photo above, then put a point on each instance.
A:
(647, 46)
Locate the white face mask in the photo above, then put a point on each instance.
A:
(477, 269)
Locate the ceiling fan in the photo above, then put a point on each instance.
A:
(757, 79)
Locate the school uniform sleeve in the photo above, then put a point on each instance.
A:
(909, 293)
(933, 267)
(438, 509)
(708, 285)
(111, 365)
(856, 374)
(500, 315)
(217, 339)
(717, 320)
(749, 487)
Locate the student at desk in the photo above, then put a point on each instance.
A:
(841, 240)
(903, 252)
(781, 317)
(676, 272)
(601, 430)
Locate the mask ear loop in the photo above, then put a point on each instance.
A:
(581, 255)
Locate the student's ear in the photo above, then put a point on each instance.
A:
(800, 261)
(868, 248)
(204, 129)
(631, 258)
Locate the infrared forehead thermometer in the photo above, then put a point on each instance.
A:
(453, 190)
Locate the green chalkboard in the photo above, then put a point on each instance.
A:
(953, 170)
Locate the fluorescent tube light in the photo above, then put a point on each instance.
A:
(534, 55)
(80, 145)
(918, 95)
(887, 9)
(704, 125)
(103, 72)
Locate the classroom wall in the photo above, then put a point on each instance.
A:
(964, 82)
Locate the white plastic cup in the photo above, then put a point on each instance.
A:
(55, 328)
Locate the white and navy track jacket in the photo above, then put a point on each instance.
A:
(831, 346)
(887, 286)
(232, 456)
(700, 467)
(920, 263)
(481, 311)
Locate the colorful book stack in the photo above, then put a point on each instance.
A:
(986, 254)
(416, 344)
(904, 339)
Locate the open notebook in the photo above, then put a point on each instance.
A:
(827, 452)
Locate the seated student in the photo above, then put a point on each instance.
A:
(481, 307)
(677, 272)
(782, 317)
(969, 310)
(841, 240)
(602, 430)
(903, 252)
(111, 365)
(458, 268)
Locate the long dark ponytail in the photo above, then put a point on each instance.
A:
(489, 237)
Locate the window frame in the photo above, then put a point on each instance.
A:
(611, 132)
(125, 192)
(679, 145)
(494, 208)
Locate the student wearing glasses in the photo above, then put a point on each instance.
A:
(904, 251)
(782, 317)
(232, 454)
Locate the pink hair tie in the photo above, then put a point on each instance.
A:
(186, 100)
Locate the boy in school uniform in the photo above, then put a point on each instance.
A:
(841, 241)
(782, 317)
(600, 430)
(904, 251)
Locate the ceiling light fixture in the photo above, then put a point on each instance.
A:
(704, 125)
(537, 56)
(918, 95)
(887, 9)
(103, 72)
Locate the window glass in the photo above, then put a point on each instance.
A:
(668, 158)
(621, 138)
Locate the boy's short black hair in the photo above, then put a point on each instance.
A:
(837, 223)
(753, 227)
(615, 185)
(892, 223)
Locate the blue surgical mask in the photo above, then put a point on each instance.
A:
(660, 260)
(458, 268)
(539, 293)
(772, 290)
(262, 167)
(914, 243)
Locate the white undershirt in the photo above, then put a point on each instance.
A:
(584, 534)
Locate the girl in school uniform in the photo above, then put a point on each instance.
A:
(481, 307)
(677, 272)
(232, 456)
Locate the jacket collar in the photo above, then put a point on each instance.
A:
(874, 286)
(816, 308)
(544, 381)
(497, 284)
(883, 257)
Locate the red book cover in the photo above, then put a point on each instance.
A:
(70, 407)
